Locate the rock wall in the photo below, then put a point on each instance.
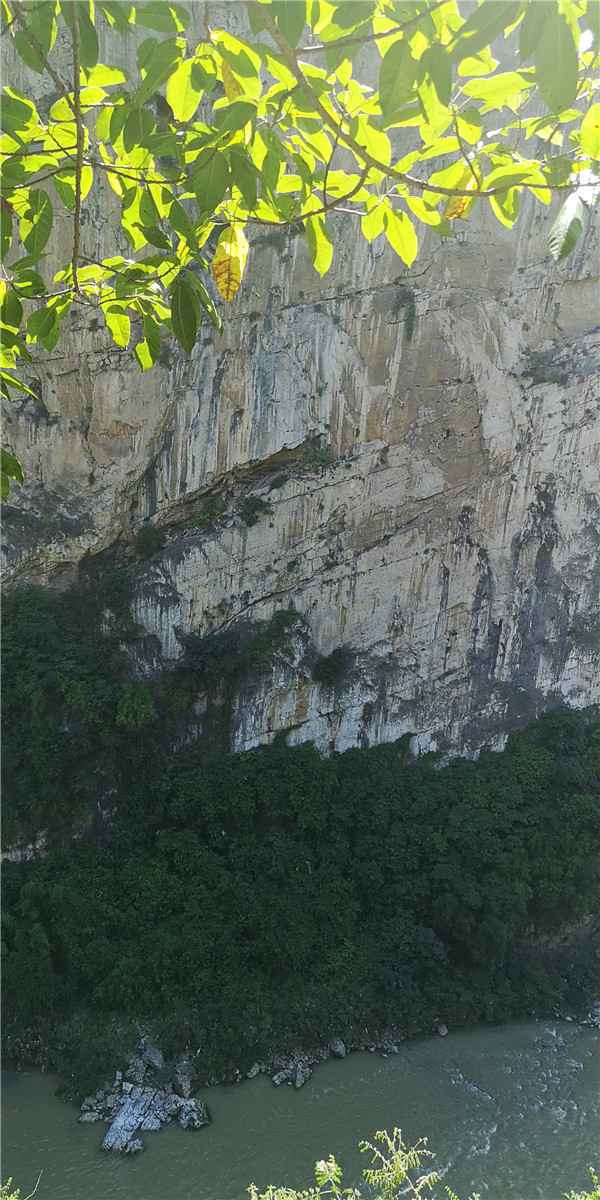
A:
(428, 443)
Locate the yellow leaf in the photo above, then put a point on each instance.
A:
(233, 88)
(458, 206)
(229, 262)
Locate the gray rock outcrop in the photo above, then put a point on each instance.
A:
(131, 1108)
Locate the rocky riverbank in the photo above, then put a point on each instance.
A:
(151, 1094)
(132, 1104)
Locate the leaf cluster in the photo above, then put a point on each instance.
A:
(207, 139)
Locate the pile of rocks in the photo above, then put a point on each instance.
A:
(132, 1106)
(296, 1068)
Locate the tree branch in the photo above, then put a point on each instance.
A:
(35, 45)
(79, 155)
(464, 151)
(360, 153)
(354, 39)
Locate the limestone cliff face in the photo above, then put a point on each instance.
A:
(451, 543)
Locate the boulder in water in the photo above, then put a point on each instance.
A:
(301, 1074)
(146, 1109)
(338, 1048)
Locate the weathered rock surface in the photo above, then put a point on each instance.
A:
(133, 1109)
(134, 1105)
(338, 1048)
(453, 544)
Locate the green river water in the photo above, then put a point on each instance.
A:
(513, 1112)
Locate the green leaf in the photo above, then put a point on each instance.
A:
(138, 126)
(506, 89)
(210, 179)
(148, 351)
(12, 381)
(398, 74)
(439, 66)
(40, 322)
(185, 308)
(482, 63)
(319, 244)
(567, 228)
(235, 116)
(5, 228)
(244, 175)
(102, 75)
(42, 25)
(119, 325)
(505, 206)
(485, 24)
(11, 311)
(291, 19)
(118, 117)
(158, 61)
(143, 354)
(205, 299)
(88, 39)
(29, 283)
(36, 224)
(350, 14)
(155, 236)
(148, 210)
(590, 132)
(373, 224)
(162, 16)
(30, 55)
(181, 223)
(182, 93)
(469, 125)
(116, 14)
(556, 61)
(50, 337)
(374, 140)
(514, 173)
(152, 334)
(11, 470)
(16, 112)
(400, 233)
(531, 28)
(64, 183)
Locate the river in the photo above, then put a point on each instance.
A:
(512, 1111)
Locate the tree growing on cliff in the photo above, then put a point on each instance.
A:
(394, 113)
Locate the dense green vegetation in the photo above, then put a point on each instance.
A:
(79, 733)
(248, 903)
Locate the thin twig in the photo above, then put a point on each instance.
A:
(359, 151)
(24, 187)
(79, 156)
(32, 1194)
(328, 167)
(35, 44)
(464, 151)
(355, 39)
